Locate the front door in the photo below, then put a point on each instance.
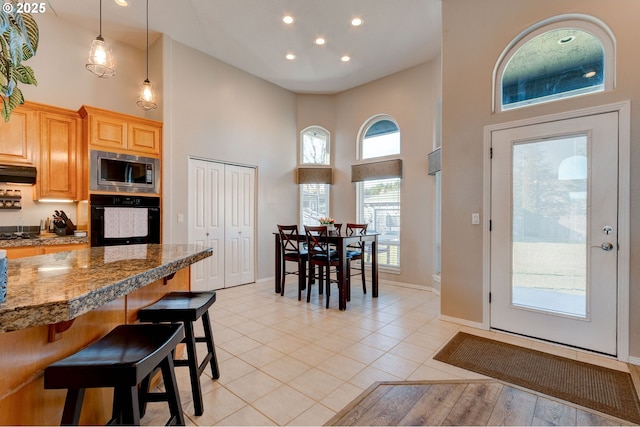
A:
(554, 217)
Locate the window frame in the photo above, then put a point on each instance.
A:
(569, 21)
(321, 130)
(360, 185)
(301, 187)
(363, 131)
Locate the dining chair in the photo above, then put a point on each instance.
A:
(355, 252)
(294, 251)
(321, 255)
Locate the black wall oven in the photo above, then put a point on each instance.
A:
(124, 220)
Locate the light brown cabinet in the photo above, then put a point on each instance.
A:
(25, 251)
(18, 137)
(60, 163)
(110, 131)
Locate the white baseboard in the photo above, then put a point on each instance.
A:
(409, 285)
(266, 279)
(634, 360)
(463, 322)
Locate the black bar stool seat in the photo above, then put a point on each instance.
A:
(122, 359)
(186, 307)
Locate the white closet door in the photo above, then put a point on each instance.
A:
(240, 220)
(206, 222)
(221, 216)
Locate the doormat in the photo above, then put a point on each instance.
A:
(602, 389)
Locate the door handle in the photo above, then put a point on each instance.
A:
(605, 246)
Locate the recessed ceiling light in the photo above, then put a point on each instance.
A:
(345, 58)
(356, 22)
(122, 3)
(320, 41)
(290, 56)
(589, 74)
(567, 39)
(287, 19)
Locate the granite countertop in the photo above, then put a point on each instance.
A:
(43, 241)
(47, 289)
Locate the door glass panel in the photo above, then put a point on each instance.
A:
(549, 220)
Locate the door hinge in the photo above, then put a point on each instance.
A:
(491, 152)
(490, 225)
(489, 297)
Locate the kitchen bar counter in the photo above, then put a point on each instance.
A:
(59, 303)
(43, 241)
(48, 289)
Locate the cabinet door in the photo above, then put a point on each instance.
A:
(22, 252)
(59, 174)
(63, 248)
(107, 132)
(144, 138)
(17, 137)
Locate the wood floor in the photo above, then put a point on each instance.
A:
(480, 402)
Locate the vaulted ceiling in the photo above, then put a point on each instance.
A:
(250, 35)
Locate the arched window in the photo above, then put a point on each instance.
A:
(315, 181)
(381, 138)
(378, 182)
(314, 149)
(558, 58)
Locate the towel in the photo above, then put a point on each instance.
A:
(125, 222)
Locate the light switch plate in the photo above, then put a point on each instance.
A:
(180, 218)
(475, 218)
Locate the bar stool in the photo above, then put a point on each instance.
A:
(187, 307)
(122, 359)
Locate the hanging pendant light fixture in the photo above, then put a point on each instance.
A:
(147, 98)
(101, 61)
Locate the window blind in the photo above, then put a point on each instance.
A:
(376, 170)
(315, 176)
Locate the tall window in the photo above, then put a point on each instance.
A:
(378, 186)
(314, 192)
(555, 59)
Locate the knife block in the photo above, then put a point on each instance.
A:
(68, 230)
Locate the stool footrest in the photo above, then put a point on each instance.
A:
(156, 396)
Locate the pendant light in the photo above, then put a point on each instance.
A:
(101, 61)
(147, 98)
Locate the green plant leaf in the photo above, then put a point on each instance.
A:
(4, 21)
(30, 34)
(8, 104)
(24, 74)
(19, 38)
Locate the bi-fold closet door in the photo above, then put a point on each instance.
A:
(222, 216)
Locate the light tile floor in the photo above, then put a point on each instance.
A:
(286, 362)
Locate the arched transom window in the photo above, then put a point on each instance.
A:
(555, 60)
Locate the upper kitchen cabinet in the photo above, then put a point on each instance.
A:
(18, 137)
(60, 165)
(107, 130)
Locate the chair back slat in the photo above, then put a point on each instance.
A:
(317, 239)
(358, 230)
(289, 238)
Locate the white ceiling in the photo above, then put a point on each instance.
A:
(250, 35)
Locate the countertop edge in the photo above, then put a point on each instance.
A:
(65, 310)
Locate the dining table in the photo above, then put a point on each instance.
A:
(340, 242)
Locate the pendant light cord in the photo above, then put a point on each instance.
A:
(100, 18)
(147, 39)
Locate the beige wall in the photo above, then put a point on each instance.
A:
(214, 111)
(474, 35)
(410, 97)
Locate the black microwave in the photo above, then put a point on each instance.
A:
(118, 172)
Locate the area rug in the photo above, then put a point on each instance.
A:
(602, 389)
